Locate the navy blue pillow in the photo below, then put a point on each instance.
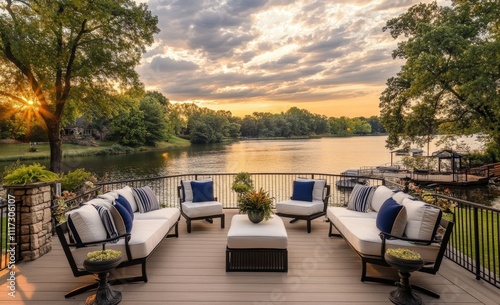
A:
(391, 218)
(303, 190)
(203, 191)
(124, 213)
(123, 201)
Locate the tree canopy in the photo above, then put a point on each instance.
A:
(450, 81)
(64, 56)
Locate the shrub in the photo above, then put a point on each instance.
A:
(73, 180)
(26, 174)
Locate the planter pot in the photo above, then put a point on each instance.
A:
(403, 265)
(255, 216)
(101, 266)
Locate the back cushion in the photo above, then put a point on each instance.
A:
(202, 191)
(381, 194)
(400, 196)
(319, 187)
(187, 191)
(85, 224)
(303, 190)
(128, 193)
(422, 219)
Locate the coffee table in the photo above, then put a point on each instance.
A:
(258, 247)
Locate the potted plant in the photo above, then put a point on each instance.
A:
(256, 204)
(242, 183)
(102, 262)
(405, 261)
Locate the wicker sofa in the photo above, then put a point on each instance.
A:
(136, 236)
(418, 226)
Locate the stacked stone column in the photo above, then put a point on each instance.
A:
(34, 202)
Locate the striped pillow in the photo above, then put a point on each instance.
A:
(107, 221)
(146, 199)
(360, 198)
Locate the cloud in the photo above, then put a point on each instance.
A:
(234, 51)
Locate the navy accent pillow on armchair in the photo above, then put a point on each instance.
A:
(303, 190)
(203, 191)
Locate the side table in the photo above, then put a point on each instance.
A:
(104, 294)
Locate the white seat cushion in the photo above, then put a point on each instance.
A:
(268, 234)
(146, 235)
(363, 235)
(200, 209)
(295, 207)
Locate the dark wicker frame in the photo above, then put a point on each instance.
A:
(311, 217)
(62, 233)
(208, 218)
(256, 260)
(380, 260)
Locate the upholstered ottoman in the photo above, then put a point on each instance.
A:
(257, 247)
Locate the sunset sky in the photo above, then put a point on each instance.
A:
(329, 57)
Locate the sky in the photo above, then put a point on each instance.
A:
(328, 57)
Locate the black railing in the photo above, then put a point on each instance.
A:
(10, 232)
(474, 244)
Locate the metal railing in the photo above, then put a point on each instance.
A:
(10, 232)
(474, 243)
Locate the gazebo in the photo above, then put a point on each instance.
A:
(454, 157)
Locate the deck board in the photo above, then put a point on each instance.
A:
(190, 270)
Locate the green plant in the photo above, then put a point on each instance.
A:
(75, 179)
(25, 174)
(242, 183)
(403, 253)
(253, 200)
(103, 255)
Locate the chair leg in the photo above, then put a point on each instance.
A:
(309, 226)
(209, 220)
(294, 220)
(188, 223)
(222, 222)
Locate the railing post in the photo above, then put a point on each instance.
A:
(476, 243)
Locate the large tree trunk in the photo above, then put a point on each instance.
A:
(53, 131)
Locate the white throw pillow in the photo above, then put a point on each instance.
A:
(187, 191)
(422, 219)
(128, 194)
(85, 225)
(381, 194)
(400, 196)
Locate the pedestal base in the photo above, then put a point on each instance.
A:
(104, 294)
(403, 296)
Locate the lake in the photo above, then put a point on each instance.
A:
(321, 155)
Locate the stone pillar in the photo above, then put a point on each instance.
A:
(35, 220)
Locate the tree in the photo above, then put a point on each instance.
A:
(129, 129)
(154, 119)
(451, 75)
(58, 54)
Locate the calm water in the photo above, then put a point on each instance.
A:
(325, 155)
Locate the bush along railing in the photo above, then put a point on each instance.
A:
(474, 244)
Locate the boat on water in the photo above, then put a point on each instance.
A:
(350, 179)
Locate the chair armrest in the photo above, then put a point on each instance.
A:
(127, 237)
(385, 236)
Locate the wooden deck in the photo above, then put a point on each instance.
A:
(190, 270)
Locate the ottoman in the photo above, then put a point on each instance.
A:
(257, 247)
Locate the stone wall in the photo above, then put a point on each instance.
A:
(35, 220)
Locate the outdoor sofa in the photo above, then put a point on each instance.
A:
(127, 219)
(378, 218)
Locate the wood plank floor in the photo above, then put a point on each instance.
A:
(190, 270)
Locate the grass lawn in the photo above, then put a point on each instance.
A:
(21, 151)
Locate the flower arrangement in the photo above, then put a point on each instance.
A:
(403, 253)
(253, 200)
(103, 255)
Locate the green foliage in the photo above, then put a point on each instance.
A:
(253, 200)
(129, 129)
(114, 150)
(26, 174)
(404, 253)
(419, 162)
(450, 77)
(154, 120)
(103, 255)
(242, 183)
(74, 179)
